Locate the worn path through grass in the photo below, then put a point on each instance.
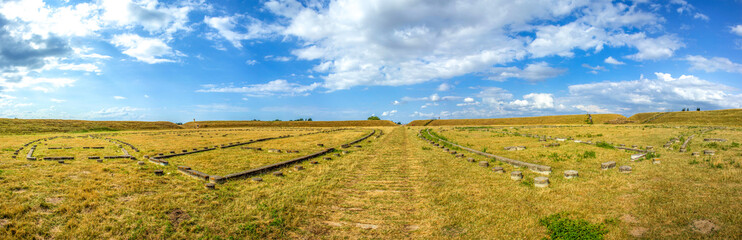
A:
(378, 195)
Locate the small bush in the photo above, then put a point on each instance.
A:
(560, 227)
(651, 155)
(558, 158)
(604, 145)
(734, 144)
(588, 154)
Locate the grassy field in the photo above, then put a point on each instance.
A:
(29, 126)
(394, 186)
(233, 124)
(562, 119)
(726, 117)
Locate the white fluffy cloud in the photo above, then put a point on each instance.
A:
(117, 113)
(119, 97)
(148, 50)
(532, 72)
(613, 61)
(388, 113)
(651, 94)
(275, 87)
(151, 15)
(444, 87)
(737, 29)
(713, 64)
(227, 28)
(397, 43)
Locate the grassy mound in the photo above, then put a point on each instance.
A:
(230, 124)
(28, 126)
(726, 117)
(561, 119)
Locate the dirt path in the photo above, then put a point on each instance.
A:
(379, 195)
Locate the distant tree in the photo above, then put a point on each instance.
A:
(683, 110)
(178, 123)
(309, 119)
(277, 120)
(698, 109)
(399, 123)
(374, 118)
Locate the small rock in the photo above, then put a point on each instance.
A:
(278, 174)
(607, 165)
(299, 168)
(498, 170)
(314, 162)
(637, 232)
(367, 226)
(257, 179)
(484, 164)
(140, 163)
(624, 169)
(210, 186)
(516, 175)
(704, 226)
(159, 172)
(541, 182)
(655, 161)
(570, 174)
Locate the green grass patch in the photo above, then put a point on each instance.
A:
(559, 226)
(604, 145)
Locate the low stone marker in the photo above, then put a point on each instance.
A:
(345, 152)
(320, 145)
(515, 148)
(551, 145)
(159, 172)
(637, 156)
(561, 139)
(210, 186)
(99, 160)
(714, 140)
(278, 174)
(140, 163)
(93, 157)
(274, 151)
(484, 164)
(541, 181)
(60, 161)
(624, 169)
(498, 170)
(695, 154)
(607, 165)
(649, 147)
(314, 162)
(634, 146)
(708, 152)
(357, 146)
(569, 174)
(470, 159)
(257, 179)
(460, 155)
(327, 158)
(298, 168)
(516, 175)
(655, 161)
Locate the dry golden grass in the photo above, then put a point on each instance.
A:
(394, 187)
(30, 126)
(562, 119)
(234, 124)
(727, 117)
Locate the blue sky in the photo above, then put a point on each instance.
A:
(343, 60)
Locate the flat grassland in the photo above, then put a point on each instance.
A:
(233, 124)
(726, 117)
(561, 119)
(31, 126)
(394, 185)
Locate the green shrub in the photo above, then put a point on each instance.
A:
(604, 145)
(559, 226)
(651, 155)
(588, 154)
